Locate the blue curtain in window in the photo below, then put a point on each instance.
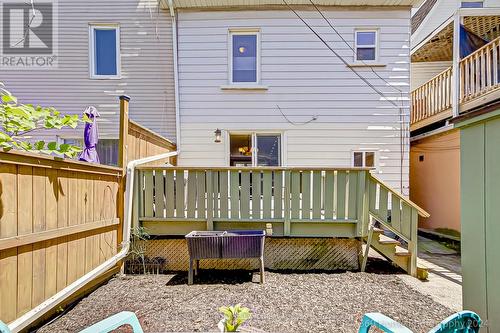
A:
(105, 52)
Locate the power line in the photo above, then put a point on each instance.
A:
(293, 122)
(352, 49)
(340, 57)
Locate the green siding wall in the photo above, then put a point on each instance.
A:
(480, 211)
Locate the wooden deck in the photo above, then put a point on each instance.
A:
(287, 202)
(479, 85)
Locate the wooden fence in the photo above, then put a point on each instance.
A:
(60, 218)
(58, 221)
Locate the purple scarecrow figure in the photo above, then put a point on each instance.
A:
(90, 137)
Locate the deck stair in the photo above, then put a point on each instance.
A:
(394, 251)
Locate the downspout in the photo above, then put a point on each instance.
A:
(34, 314)
(176, 74)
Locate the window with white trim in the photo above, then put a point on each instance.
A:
(366, 42)
(104, 51)
(472, 4)
(363, 159)
(244, 54)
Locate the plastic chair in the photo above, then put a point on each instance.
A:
(4, 328)
(460, 322)
(115, 321)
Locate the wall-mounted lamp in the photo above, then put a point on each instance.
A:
(218, 133)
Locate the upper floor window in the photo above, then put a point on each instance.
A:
(244, 56)
(104, 51)
(472, 4)
(366, 45)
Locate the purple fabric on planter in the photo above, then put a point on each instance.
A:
(90, 137)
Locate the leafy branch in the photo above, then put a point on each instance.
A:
(17, 120)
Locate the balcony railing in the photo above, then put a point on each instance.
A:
(479, 71)
(479, 78)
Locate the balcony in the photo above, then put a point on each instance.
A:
(479, 84)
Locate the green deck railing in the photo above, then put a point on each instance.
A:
(299, 202)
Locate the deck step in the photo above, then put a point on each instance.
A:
(377, 230)
(402, 252)
(383, 239)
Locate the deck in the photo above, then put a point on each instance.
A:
(286, 202)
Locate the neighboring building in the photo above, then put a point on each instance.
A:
(455, 73)
(480, 190)
(279, 96)
(105, 50)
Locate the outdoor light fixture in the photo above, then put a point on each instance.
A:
(218, 133)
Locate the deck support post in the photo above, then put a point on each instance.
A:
(368, 245)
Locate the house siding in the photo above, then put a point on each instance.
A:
(146, 68)
(305, 79)
(421, 72)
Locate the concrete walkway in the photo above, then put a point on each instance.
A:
(444, 284)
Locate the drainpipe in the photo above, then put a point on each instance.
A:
(176, 73)
(29, 317)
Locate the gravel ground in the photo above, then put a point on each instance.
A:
(287, 302)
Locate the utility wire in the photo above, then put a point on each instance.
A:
(293, 122)
(400, 107)
(30, 22)
(349, 45)
(340, 57)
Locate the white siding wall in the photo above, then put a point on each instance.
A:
(146, 58)
(421, 72)
(304, 79)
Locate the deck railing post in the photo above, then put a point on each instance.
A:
(286, 212)
(363, 214)
(210, 201)
(412, 244)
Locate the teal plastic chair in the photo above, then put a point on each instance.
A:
(460, 322)
(115, 321)
(4, 328)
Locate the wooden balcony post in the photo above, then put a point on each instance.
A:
(122, 149)
(455, 75)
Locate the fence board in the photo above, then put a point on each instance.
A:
(341, 194)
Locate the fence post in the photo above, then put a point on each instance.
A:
(286, 226)
(123, 147)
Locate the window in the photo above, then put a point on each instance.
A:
(363, 159)
(366, 45)
(107, 149)
(244, 57)
(472, 4)
(104, 51)
(255, 149)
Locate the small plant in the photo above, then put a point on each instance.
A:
(234, 317)
(137, 246)
(18, 120)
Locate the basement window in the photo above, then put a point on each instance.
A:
(362, 159)
(366, 45)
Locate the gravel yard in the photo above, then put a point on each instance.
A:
(287, 302)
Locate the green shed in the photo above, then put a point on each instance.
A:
(480, 214)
